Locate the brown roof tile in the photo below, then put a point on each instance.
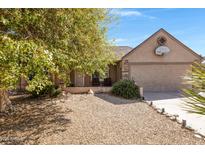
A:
(120, 51)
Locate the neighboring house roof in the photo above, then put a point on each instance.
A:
(120, 51)
(203, 62)
(172, 37)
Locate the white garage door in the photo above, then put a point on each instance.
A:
(159, 77)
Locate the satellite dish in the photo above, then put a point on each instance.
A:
(162, 50)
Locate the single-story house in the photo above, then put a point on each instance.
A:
(157, 64)
(113, 71)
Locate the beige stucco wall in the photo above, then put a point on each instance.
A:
(158, 73)
(159, 77)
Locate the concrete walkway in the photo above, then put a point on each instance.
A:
(173, 103)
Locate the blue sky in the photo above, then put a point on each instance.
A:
(132, 26)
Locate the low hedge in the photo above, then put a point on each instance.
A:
(126, 89)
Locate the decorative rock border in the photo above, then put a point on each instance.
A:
(85, 90)
(175, 118)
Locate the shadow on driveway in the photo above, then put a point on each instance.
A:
(115, 100)
(153, 96)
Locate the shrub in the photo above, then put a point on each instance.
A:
(195, 78)
(126, 89)
(51, 90)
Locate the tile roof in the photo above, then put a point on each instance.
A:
(120, 51)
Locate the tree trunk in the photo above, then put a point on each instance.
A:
(4, 100)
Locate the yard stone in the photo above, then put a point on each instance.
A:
(197, 136)
(99, 119)
(168, 115)
(2, 120)
(107, 119)
(179, 120)
(90, 92)
(173, 118)
(62, 101)
(159, 110)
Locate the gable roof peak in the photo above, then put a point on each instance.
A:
(162, 30)
(169, 35)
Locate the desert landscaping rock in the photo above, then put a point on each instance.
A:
(168, 115)
(90, 92)
(100, 119)
(97, 119)
(179, 120)
(159, 110)
(197, 136)
(172, 118)
(2, 120)
(189, 128)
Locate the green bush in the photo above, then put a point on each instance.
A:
(126, 89)
(49, 90)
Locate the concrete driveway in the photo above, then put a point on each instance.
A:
(173, 103)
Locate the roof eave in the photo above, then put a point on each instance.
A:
(161, 29)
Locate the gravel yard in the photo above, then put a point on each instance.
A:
(99, 119)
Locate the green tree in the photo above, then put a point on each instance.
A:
(196, 92)
(41, 42)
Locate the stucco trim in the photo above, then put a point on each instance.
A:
(170, 36)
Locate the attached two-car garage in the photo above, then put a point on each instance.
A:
(159, 63)
(159, 77)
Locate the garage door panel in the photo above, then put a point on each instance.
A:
(161, 77)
